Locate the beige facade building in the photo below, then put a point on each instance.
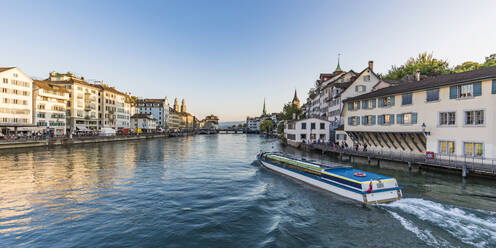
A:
(16, 107)
(49, 105)
(82, 107)
(113, 108)
(449, 115)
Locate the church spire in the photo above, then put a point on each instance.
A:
(338, 68)
(264, 109)
(296, 101)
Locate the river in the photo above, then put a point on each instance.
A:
(208, 191)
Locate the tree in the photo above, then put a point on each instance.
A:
(267, 126)
(288, 110)
(426, 63)
(470, 65)
(280, 128)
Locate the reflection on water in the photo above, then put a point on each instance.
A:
(208, 191)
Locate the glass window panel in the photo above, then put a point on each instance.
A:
(469, 149)
(479, 149)
(442, 147)
(451, 147)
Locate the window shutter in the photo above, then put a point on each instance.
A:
(380, 119)
(494, 86)
(399, 118)
(350, 106)
(373, 100)
(358, 120)
(350, 121)
(373, 120)
(392, 100)
(381, 102)
(364, 104)
(358, 105)
(414, 118)
(364, 119)
(477, 89)
(453, 92)
(391, 118)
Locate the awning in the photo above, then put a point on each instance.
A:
(83, 129)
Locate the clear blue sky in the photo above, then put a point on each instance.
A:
(224, 57)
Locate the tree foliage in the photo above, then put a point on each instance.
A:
(426, 63)
(288, 110)
(267, 126)
(470, 65)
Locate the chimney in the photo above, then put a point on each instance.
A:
(371, 65)
(417, 75)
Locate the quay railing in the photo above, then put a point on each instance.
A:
(479, 164)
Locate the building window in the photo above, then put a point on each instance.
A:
(303, 136)
(366, 78)
(354, 120)
(312, 126)
(432, 95)
(341, 136)
(303, 125)
(473, 149)
(447, 147)
(386, 101)
(356, 105)
(466, 90)
(322, 126)
(406, 99)
(360, 88)
(322, 137)
(385, 119)
(368, 120)
(474, 117)
(290, 136)
(447, 118)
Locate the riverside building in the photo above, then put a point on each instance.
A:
(159, 108)
(82, 107)
(145, 122)
(15, 97)
(113, 108)
(49, 105)
(310, 130)
(448, 115)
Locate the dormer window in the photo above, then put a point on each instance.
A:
(366, 78)
(360, 88)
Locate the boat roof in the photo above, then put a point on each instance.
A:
(349, 173)
(296, 161)
(312, 163)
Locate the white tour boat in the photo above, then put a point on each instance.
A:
(359, 185)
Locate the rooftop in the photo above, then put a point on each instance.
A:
(430, 83)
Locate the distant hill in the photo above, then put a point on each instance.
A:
(229, 123)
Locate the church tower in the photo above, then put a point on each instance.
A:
(176, 105)
(296, 101)
(183, 106)
(264, 109)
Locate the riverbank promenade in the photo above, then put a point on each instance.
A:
(36, 141)
(465, 165)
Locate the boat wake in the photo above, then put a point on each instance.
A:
(472, 227)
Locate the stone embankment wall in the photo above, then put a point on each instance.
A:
(79, 140)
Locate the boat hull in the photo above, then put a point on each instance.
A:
(368, 198)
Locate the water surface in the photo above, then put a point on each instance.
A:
(207, 191)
